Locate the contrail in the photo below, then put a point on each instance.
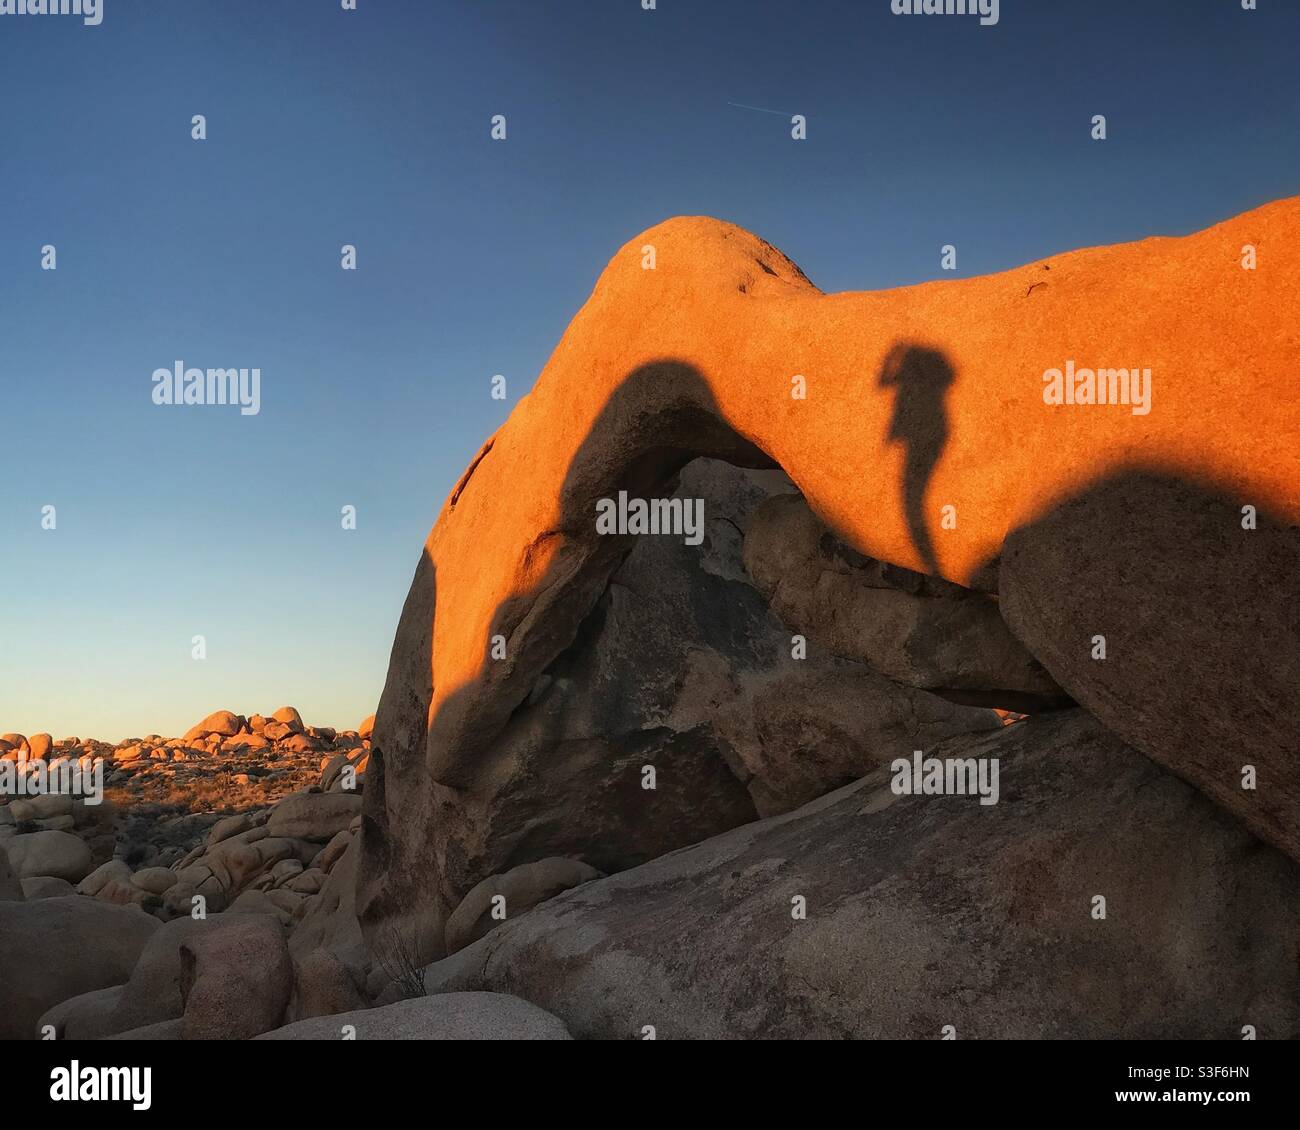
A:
(760, 109)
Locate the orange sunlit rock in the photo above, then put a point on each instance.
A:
(923, 425)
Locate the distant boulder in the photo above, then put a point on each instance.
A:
(290, 717)
(222, 722)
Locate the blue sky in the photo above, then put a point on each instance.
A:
(371, 127)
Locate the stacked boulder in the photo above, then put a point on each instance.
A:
(559, 689)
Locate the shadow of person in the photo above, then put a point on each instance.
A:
(920, 422)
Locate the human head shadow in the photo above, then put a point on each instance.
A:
(921, 377)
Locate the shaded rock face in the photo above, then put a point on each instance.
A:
(56, 948)
(11, 887)
(926, 911)
(452, 1016)
(681, 669)
(47, 887)
(84, 1017)
(518, 890)
(1200, 619)
(323, 986)
(59, 854)
(236, 978)
(154, 992)
(919, 630)
(163, 1030)
(331, 921)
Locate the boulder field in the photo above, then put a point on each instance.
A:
(200, 856)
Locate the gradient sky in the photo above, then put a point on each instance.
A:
(372, 128)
